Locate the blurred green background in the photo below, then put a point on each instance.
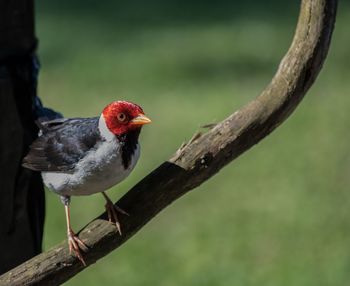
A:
(280, 214)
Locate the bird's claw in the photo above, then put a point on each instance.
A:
(112, 210)
(76, 245)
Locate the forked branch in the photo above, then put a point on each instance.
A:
(204, 156)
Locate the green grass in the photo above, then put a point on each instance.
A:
(278, 215)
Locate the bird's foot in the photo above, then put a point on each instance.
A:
(76, 245)
(112, 210)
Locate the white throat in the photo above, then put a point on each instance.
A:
(104, 131)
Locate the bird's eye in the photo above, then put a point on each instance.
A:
(121, 117)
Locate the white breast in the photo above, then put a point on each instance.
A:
(99, 170)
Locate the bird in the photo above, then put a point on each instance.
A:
(84, 156)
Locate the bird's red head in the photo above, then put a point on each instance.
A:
(123, 116)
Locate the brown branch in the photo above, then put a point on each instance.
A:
(204, 156)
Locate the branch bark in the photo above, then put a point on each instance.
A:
(202, 157)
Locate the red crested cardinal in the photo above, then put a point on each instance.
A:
(83, 156)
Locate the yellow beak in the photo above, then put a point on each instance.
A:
(140, 120)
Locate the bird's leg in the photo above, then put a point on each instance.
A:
(112, 210)
(74, 242)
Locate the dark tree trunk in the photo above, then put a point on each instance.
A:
(22, 202)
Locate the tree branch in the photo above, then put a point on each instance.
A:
(201, 158)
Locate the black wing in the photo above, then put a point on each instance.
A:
(62, 144)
